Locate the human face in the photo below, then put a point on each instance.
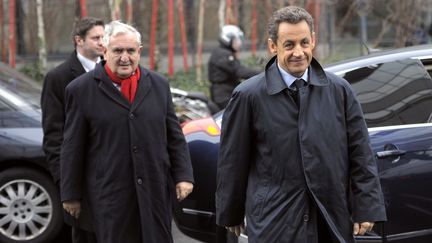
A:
(123, 54)
(294, 47)
(236, 44)
(91, 45)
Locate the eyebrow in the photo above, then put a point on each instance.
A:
(291, 41)
(122, 49)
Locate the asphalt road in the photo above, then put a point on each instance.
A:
(179, 237)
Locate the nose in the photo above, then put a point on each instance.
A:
(124, 57)
(298, 51)
(100, 40)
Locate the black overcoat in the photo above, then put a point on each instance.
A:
(53, 119)
(123, 157)
(280, 166)
(225, 72)
(53, 105)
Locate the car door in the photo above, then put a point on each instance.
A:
(396, 99)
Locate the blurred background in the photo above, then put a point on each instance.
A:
(178, 35)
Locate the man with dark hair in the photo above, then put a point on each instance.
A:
(295, 157)
(87, 39)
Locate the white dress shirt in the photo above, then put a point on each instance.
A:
(289, 79)
(87, 63)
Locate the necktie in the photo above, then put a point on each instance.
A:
(298, 83)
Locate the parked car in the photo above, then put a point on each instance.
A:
(191, 105)
(30, 208)
(395, 91)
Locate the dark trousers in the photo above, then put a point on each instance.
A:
(224, 236)
(82, 236)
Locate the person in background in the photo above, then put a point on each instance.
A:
(87, 38)
(295, 157)
(224, 68)
(123, 149)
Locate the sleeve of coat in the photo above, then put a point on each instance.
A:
(181, 165)
(245, 72)
(73, 149)
(233, 66)
(52, 122)
(366, 196)
(233, 162)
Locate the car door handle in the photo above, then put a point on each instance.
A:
(389, 153)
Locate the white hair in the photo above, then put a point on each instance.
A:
(115, 28)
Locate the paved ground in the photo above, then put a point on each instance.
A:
(178, 236)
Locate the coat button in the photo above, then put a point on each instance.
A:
(306, 217)
(139, 181)
(131, 116)
(135, 149)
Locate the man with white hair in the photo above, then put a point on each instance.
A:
(123, 146)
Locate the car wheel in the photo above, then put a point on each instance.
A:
(29, 207)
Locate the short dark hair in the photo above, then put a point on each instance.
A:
(82, 26)
(290, 14)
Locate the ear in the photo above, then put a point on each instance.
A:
(313, 40)
(105, 53)
(272, 46)
(77, 39)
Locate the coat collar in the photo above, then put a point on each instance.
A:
(75, 65)
(105, 84)
(275, 83)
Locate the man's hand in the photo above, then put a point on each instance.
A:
(183, 189)
(236, 229)
(73, 208)
(362, 228)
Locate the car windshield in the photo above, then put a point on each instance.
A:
(23, 92)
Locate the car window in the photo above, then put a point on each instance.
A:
(20, 85)
(4, 106)
(393, 93)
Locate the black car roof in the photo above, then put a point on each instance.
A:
(418, 52)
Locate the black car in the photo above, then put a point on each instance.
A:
(395, 91)
(30, 208)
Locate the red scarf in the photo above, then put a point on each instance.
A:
(128, 85)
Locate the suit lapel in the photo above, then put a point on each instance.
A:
(144, 85)
(106, 86)
(75, 65)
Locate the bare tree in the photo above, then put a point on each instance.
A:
(190, 10)
(42, 53)
(221, 13)
(2, 34)
(129, 12)
(200, 41)
(115, 9)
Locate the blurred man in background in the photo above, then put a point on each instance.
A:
(87, 38)
(224, 68)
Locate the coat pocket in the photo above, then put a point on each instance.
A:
(256, 200)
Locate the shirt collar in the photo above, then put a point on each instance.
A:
(87, 63)
(288, 78)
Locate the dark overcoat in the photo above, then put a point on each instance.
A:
(225, 72)
(53, 105)
(53, 119)
(123, 157)
(280, 165)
